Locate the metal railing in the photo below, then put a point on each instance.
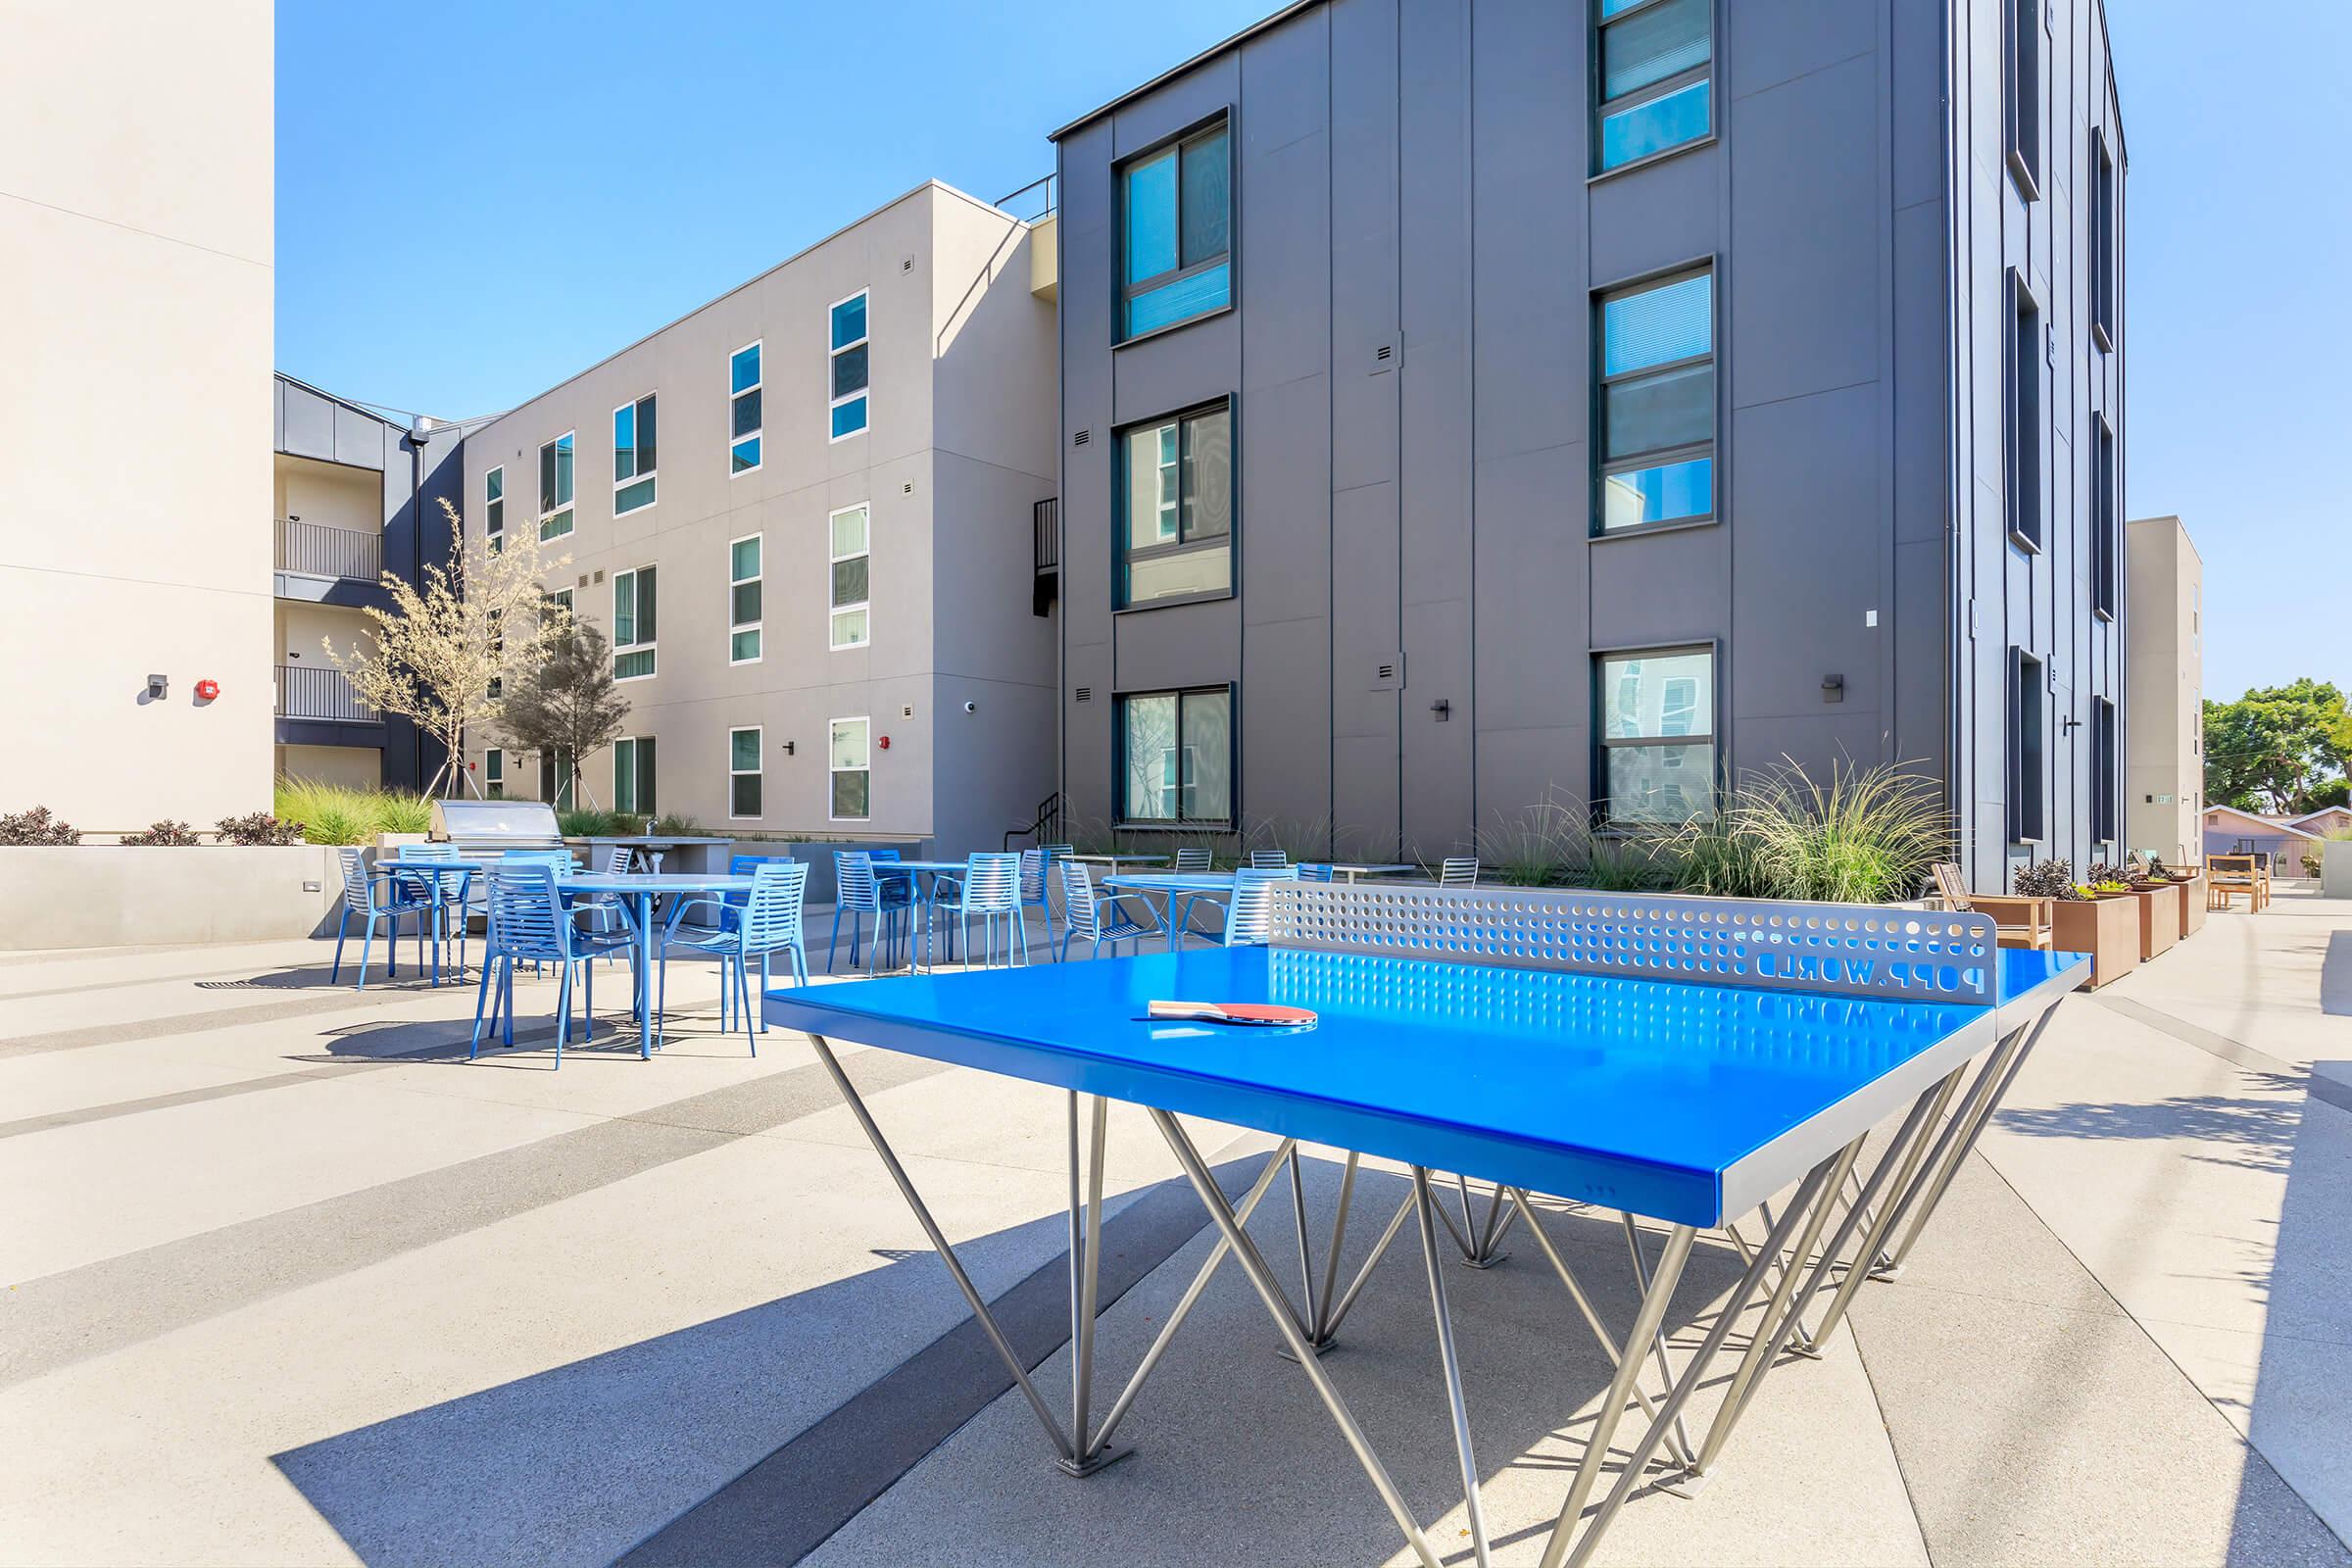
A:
(319, 550)
(1033, 201)
(318, 691)
(1044, 528)
(1045, 829)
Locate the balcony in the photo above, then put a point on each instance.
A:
(1045, 550)
(1035, 204)
(318, 691)
(316, 550)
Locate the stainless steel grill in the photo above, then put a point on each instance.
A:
(493, 828)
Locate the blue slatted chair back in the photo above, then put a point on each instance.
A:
(1058, 851)
(560, 860)
(1033, 877)
(1458, 871)
(884, 855)
(1194, 859)
(359, 894)
(428, 851)
(853, 882)
(1078, 901)
(527, 919)
(771, 912)
(992, 883)
(1315, 873)
(1269, 859)
(612, 858)
(1252, 907)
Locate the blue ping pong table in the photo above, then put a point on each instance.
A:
(1685, 1060)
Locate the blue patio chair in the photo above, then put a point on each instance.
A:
(1269, 859)
(991, 889)
(1037, 873)
(1313, 872)
(1458, 871)
(1195, 860)
(1248, 911)
(1099, 920)
(730, 904)
(373, 897)
(857, 892)
(767, 922)
(529, 922)
(440, 896)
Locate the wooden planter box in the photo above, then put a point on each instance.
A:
(2108, 929)
(2193, 904)
(2159, 920)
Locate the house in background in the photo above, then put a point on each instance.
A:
(2327, 821)
(2232, 830)
(354, 495)
(2164, 675)
(806, 515)
(1612, 400)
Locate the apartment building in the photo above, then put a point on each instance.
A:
(355, 495)
(1466, 401)
(137, 255)
(2164, 719)
(804, 517)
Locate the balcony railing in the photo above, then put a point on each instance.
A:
(318, 691)
(1033, 200)
(317, 550)
(1045, 548)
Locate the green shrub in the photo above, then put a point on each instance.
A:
(590, 822)
(675, 824)
(337, 814)
(1714, 857)
(1539, 846)
(162, 834)
(36, 827)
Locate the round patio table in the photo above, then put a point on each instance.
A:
(916, 872)
(641, 888)
(1177, 891)
(435, 870)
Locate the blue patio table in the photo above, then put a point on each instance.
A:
(462, 870)
(641, 888)
(1356, 871)
(925, 875)
(1679, 1059)
(1176, 889)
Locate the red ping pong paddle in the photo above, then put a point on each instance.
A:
(1241, 1012)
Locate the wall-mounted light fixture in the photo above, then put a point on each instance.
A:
(159, 687)
(788, 748)
(1442, 710)
(1832, 688)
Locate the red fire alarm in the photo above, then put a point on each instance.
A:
(206, 690)
(885, 743)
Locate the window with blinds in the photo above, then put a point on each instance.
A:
(1655, 399)
(1656, 84)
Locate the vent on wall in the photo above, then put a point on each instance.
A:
(1085, 693)
(1384, 355)
(1082, 438)
(1388, 673)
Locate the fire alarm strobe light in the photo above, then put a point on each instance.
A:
(885, 743)
(206, 690)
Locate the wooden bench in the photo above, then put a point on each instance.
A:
(2019, 922)
(2227, 875)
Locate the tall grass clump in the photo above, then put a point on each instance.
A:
(1863, 836)
(592, 823)
(337, 814)
(1539, 846)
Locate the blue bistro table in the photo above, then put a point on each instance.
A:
(1685, 1060)
(642, 888)
(924, 876)
(435, 872)
(1176, 891)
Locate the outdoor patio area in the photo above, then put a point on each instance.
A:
(286, 1279)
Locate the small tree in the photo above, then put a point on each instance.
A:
(569, 705)
(447, 643)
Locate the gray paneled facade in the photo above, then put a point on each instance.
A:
(1418, 255)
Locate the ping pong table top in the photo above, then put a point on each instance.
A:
(1684, 1102)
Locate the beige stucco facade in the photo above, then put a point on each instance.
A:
(2164, 685)
(957, 447)
(137, 246)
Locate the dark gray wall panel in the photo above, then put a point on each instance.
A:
(1661, 588)
(1287, 331)
(310, 425)
(358, 438)
(1284, 526)
(1532, 555)
(1175, 370)
(1780, 40)
(1284, 721)
(1212, 87)
(1663, 215)
(1177, 644)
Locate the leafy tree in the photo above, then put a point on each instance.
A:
(439, 654)
(567, 705)
(2279, 748)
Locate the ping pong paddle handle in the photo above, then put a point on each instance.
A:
(1243, 1013)
(1207, 1010)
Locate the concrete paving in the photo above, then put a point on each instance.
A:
(283, 1279)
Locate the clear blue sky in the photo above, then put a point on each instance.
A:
(475, 202)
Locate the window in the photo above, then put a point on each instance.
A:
(850, 595)
(2104, 219)
(2029, 804)
(849, 366)
(851, 761)
(2104, 793)
(1177, 212)
(2020, 88)
(1656, 404)
(633, 455)
(633, 624)
(743, 395)
(1176, 508)
(743, 600)
(2022, 432)
(2103, 584)
(1178, 750)
(562, 596)
(494, 510)
(1657, 735)
(1656, 93)
(633, 775)
(555, 777)
(743, 750)
(554, 488)
(494, 774)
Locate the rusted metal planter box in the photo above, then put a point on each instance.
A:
(2107, 929)
(2159, 920)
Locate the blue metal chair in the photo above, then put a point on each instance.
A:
(1036, 874)
(730, 904)
(373, 897)
(857, 892)
(1099, 920)
(767, 921)
(1313, 872)
(1458, 871)
(991, 889)
(1195, 860)
(1249, 910)
(529, 922)
(1269, 859)
(439, 895)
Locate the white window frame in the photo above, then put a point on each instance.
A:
(494, 772)
(573, 505)
(632, 742)
(863, 394)
(834, 612)
(831, 727)
(734, 582)
(643, 475)
(761, 772)
(649, 646)
(758, 432)
(494, 522)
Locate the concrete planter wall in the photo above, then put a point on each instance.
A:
(106, 896)
(2108, 929)
(2159, 920)
(2336, 869)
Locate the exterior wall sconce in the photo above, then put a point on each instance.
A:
(159, 687)
(1443, 709)
(788, 748)
(1832, 688)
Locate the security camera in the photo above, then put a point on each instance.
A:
(971, 708)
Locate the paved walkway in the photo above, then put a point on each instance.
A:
(284, 1280)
